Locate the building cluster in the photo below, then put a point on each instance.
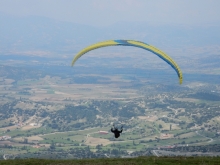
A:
(6, 137)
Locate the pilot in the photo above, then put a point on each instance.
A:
(116, 131)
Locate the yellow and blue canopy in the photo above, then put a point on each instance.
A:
(139, 44)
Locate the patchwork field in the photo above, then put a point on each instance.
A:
(54, 89)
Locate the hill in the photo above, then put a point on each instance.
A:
(42, 36)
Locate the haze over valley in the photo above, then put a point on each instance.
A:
(49, 109)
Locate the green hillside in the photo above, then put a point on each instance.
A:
(121, 161)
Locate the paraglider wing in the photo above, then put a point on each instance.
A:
(139, 44)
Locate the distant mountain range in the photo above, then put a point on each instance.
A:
(42, 35)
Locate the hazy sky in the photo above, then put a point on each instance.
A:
(107, 12)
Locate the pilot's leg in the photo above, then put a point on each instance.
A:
(117, 135)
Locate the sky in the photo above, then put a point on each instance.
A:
(107, 12)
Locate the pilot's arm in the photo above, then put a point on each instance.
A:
(112, 130)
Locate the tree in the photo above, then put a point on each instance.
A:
(52, 146)
(25, 141)
(99, 147)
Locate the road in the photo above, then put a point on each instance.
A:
(155, 153)
(88, 135)
(211, 140)
(67, 131)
